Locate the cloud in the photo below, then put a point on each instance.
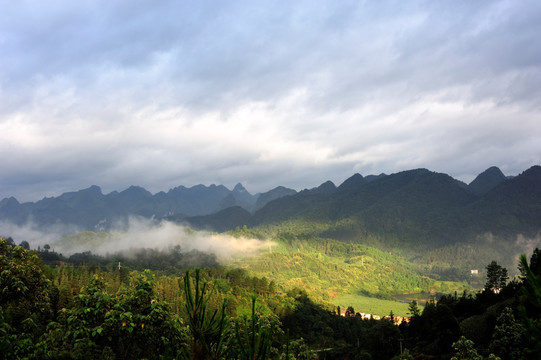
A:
(35, 235)
(138, 233)
(160, 94)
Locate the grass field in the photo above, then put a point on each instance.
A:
(372, 305)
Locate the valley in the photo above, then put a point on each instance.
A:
(414, 244)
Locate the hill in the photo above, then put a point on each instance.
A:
(416, 206)
(486, 181)
(428, 217)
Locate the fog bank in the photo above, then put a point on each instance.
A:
(139, 233)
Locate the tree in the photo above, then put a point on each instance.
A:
(131, 324)
(530, 310)
(10, 242)
(466, 351)
(207, 327)
(383, 339)
(508, 339)
(350, 312)
(406, 355)
(25, 306)
(272, 287)
(535, 264)
(496, 277)
(253, 336)
(25, 245)
(413, 309)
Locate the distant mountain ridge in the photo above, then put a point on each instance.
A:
(410, 206)
(90, 209)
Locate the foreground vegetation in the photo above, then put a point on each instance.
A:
(106, 312)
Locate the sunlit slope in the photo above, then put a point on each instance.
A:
(373, 306)
(328, 268)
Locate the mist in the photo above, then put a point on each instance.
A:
(140, 233)
(526, 245)
(36, 235)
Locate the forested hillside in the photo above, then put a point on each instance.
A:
(418, 206)
(427, 217)
(105, 311)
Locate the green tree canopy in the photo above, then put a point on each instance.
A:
(496, 277)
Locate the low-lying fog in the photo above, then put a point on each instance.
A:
(140, 233)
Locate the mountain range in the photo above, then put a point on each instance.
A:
(415, 206)
(90, 209)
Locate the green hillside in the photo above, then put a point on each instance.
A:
(373, 306)
(410, 209)
(327, 269)
(429, 218)
(332, 271)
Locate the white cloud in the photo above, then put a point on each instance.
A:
(138, 234)
(161, 94)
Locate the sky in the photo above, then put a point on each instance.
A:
(167, 93)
